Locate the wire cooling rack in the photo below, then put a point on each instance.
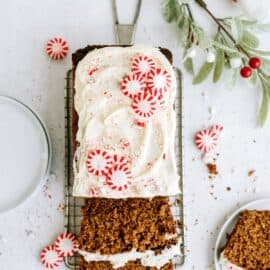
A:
(73, 205)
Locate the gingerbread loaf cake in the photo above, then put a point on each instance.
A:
(248, 246)
(124, 162)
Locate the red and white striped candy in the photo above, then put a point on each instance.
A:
(119, 177)
(206, 140)
(159, 96)
(132, 85)
(142, 64)
(93, 192)
(159, 80)
(50, 258)
(98, 162)
(57, 48)
(144, 104)
(66, 244)
(119, 160)
(217, 129)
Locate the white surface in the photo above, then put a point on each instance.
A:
(229, 225)
(29, 75)
(21, 170)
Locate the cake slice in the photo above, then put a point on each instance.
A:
(122, 232)
(124, 121)
(248, 246)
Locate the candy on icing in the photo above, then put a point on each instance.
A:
(107, 121)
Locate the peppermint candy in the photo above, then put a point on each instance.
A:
(159, 96)
(50, 258)
(206, 140)
(144, 104)
(66, 245)
(93, 192)
(57, 48)
(159, 80)
(142, 64)
(98, 162)
(217, 129)
(119, 160)
(132, 85)
(119, 177)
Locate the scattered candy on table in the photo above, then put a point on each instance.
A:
(50, 258)
(66, 244)
(57, 48)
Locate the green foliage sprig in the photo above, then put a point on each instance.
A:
(234, 40)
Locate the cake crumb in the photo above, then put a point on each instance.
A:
(228, 188)
(212, 170)
(251, 172)
(61, 207)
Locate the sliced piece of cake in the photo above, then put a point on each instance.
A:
(121, 232)
(248, 246)
(125, 123)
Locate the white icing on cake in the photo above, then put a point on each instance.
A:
(148, 258)
(107, 122)
(225, 264)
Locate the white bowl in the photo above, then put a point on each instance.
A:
(227, 228)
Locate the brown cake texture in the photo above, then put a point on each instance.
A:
(111, 226)
(249, 244)
(134, 265)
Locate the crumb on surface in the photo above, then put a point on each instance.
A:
(212, 170)
(251, 172)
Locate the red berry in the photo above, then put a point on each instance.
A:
(246, 72)
(254, 62)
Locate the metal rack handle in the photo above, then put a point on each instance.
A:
(124, 33)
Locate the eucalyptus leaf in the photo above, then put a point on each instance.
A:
(203, 73)
(265, 65)
(262, 27)
(264, 108)
(183, 1)
(181, 21)
(169, 10)
(224, 47)
(248, 23)
(254, 77)
(257, 52)
(203, 39)
(184, 31)
(219, 64)
(250, 40)
(188, 64)
(237, 28)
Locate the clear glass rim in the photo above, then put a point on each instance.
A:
(49, 151)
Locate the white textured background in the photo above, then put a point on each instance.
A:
(27, 74)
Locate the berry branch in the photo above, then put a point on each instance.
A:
(234, 47)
